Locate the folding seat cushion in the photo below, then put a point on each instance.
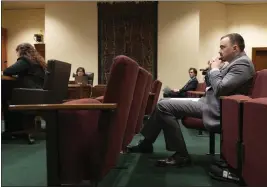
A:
(90, 141)
(140, 119)
(100, 98)
(153, 97)
(254, 142)
(193, 123)
(140, 88)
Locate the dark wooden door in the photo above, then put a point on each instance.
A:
(3, 48)
(259, 58)
(41, 49)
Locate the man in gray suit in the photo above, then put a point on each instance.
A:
(236, 78)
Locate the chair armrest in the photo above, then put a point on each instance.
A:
(258, 101)
(236, 98)
(196, 93)
(100, 98)
(94, 106)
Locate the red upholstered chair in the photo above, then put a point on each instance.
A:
(151, 103)
(138, 97)
(199, 92)
(195, 123)
(153, 97)
(90, 141)
(254, 142)
(142, 111)
(232, 121)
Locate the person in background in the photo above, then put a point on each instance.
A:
(30, 70)
(191, 85)
(80, 71)
(30, 67)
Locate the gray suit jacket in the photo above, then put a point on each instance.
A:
(236, 78)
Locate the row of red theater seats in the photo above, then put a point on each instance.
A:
(243, 144)
(243, 132)
(90, 141)
(244, 128)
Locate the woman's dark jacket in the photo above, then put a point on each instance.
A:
(30, 74)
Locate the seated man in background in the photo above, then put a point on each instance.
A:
(191, 85)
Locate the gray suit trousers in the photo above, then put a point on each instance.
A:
(165, 117)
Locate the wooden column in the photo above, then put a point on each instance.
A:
(4, 48)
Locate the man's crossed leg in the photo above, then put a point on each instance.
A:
(165, 117)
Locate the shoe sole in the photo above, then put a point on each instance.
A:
(222, 178)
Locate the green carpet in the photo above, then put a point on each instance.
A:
(25, 165)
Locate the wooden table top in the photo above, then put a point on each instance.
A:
(96, 106)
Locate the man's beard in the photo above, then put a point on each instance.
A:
(222, 58)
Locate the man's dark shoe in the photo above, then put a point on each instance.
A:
(174, 160)
(220, 163)
(142, 147)
(223, 174)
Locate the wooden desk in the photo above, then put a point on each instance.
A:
(8, 78)
(78, 91)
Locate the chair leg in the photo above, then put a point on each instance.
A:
(211, 144)
(201, 134)
(30, 138)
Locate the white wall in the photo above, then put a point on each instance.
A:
(71, 34)
(21, 26)
(251, 22)
(178, 41)
(212, 28)
(188, 36)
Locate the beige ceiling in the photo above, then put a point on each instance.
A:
(24, 4)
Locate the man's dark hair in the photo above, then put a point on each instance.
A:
(194, 70)
(236, 38)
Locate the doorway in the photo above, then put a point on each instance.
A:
(259, 58)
